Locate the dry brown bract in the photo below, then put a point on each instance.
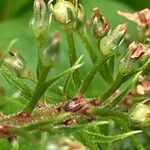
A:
(141, 18)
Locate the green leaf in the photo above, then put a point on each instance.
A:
(73, 128)
(17, 84)
(50, 120)
(104, 139)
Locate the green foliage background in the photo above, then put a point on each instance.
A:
(14, 23)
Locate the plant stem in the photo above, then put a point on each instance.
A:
(40, 44)
(88, 46)
(94, 57)
(73, 57)
(117, 83)
(90, 76)
(38, 92)
(119, 98)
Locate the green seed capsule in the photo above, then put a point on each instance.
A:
(110, 42)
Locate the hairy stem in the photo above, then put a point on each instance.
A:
(88, 46)
(73, 57)
(38, 92)
(90, 76)
(94, 57)
(117, 83)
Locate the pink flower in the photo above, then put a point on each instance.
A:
(141, 18)
(137, 49)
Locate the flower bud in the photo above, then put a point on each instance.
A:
(113, 40)
(64, 13)
(98, 24)
(39, 21)
(140, 113)
(50, 54)
(16, 64)
(70, 14)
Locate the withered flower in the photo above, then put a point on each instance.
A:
(99, 24)
(136, 49)
(141, 18)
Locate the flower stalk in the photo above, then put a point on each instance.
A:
(90, 76)
(73, 57)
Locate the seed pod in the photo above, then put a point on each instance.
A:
(76, 104)
(50, 54)
(110, 42)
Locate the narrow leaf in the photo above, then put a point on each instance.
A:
(119, 98)
(74, 128)
(104, 139)
(17, 84)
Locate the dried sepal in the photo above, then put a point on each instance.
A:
(76, 104)
(98, 24)
(136, 49)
